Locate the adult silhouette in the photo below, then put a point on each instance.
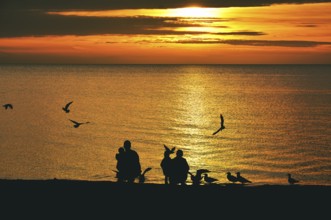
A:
(131, 163)
(166, 163)
(179, 169)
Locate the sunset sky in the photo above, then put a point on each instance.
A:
(165, 31)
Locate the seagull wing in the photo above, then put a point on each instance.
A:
(222, 120)
(75, 122)
(166, 148)
(173, 149)
(67, 105)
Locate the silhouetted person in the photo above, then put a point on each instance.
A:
(179, 169)
(66, 108)
(6, 106)
(231, 178)
(132, 168)
(196, 179)
(291, 180)
(120, 157)
(142, 176)
(166, 163)
(241, 179)
(222, 125)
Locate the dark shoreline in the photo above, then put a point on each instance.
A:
(101, 197)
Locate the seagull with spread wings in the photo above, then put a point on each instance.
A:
(222, 125)
(77, 124)
(66, 108)
(6, 106)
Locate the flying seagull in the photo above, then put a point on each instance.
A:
(77, 124)
(142, 176)
(66, 108)
(291, 180)
(6, 106)
(222, 125)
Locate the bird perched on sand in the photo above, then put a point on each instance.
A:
(142, 176)
(6, 106)
(291, 180)
(77, 124)
(66, 108)
(196, 179)
(222, 125)
(231, 178)
(242, 179)
(208, 179)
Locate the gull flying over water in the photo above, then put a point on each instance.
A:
(66, 108)
(222, 125)
(6, 106)
(77, 124)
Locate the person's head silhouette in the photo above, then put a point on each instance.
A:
(179, 153)
(127, 145)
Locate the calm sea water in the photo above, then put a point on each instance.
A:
(277, 119)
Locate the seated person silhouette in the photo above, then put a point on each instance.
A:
(179, 169)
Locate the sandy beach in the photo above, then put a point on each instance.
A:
(80, 198)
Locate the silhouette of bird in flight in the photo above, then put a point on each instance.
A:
(241, 179)
(167, 149)
(77, 124)
(208, 179)
(231, 178)
(66, 108)
(6, 106)
(222, 125)
(291, 180)
(142, 176)
(196, 179)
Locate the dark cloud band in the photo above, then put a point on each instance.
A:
(137, 4)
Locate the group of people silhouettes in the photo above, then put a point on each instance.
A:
(128, 164)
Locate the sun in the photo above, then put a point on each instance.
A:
(194, 12)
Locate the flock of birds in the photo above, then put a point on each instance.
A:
(200, 173)
(65, 109)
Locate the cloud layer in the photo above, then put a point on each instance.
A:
(135, 4)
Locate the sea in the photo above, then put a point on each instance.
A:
(277, 120)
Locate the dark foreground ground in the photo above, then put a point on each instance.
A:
(71, 198)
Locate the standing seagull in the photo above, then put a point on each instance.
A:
(208, 179)
(242, 179)
(6, 106)
(77, 124)
(66, 108)
(231, 178)
(222, 125)
(291, 180)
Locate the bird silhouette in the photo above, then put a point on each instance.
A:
(208, 179)
(77, 124)
(222, 125)
(231, 178)
(166, 163)
(241, 179)
(142, 176)
(196, 179)
(291, 180)
(66, 108)
(6, 106)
